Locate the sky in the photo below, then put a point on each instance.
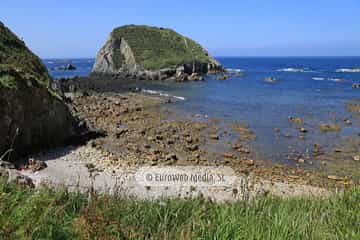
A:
(78, 28)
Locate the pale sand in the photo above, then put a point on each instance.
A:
(68, 167)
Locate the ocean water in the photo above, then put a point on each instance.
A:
(315, 89)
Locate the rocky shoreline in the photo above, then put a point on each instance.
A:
(139, 130)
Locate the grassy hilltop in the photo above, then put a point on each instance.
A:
(16, 59)
(156, 48)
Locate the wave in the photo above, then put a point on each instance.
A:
(336, 79)
(349, 70)
(162, 94)
(291, 70)
(234, 70)
(318, 78)
(328, 79)
(295, 70)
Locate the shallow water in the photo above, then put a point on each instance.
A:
(311, 88)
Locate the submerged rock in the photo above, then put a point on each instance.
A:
(271, 80)
(330, 127)
(68, 67)
(151, 53)
(223, 77)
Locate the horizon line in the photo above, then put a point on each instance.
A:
(340, 56)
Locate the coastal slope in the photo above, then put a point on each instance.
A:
(153, 53)
(32, 115)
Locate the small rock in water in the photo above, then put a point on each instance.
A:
(330, 127)
(214, 136)
(303, 130)
(347, 121)
(249, 162)
(301, 161)
(296, 120)
(228, 155)
(356, 158)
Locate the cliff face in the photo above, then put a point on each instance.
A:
(32, 116)
(153, 53)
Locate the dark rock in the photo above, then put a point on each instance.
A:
(18, 178)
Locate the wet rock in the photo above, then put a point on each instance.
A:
(156, 151)
(303, 130)
(249, 162)
(244, 150)
(189, 139)
(317, 149)
(223, 77)
(301, 160)
(228, 155)
(159, 137)
(296, 120)
(171, 156)
(347, 121)
(330, 127)
(356, 158)
(193, 147)
(214, 136)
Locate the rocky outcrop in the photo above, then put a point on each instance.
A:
(32, 116)
(153, 53)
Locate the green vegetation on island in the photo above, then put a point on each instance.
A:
(156, 48)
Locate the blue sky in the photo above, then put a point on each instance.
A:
(64, 28)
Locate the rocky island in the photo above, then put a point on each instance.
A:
(153, 53)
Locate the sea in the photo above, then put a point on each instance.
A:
(313, 88)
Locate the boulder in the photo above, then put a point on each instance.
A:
(145, 52)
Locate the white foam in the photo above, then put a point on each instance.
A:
(235, 70)
(318, 78)
(348, 70)
(336, 79)
(328, 79)
(291, 70)
(154, 92)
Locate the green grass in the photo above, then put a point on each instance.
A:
(156, 48)
(15, 55)
(8, 81)
(58, 214)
